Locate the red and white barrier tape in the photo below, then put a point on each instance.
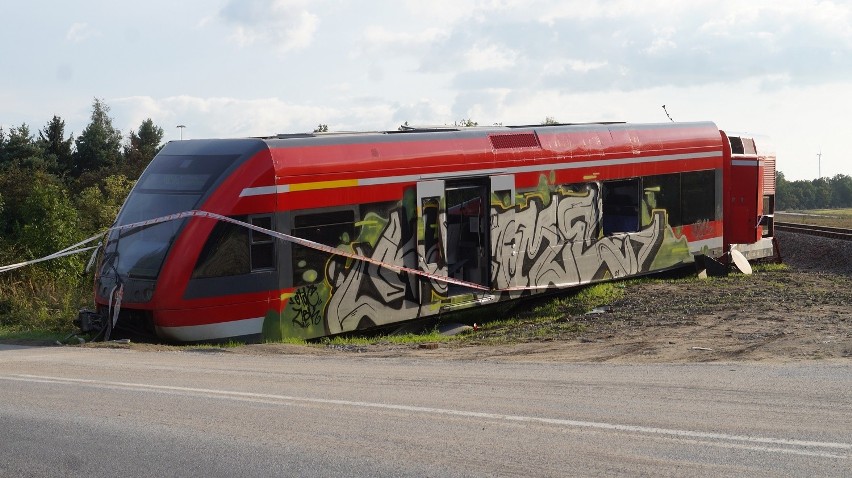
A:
(76, 249)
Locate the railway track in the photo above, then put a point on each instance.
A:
(809, 229)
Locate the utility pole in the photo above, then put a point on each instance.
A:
(181, 127)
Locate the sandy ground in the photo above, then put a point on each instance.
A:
(801, 312)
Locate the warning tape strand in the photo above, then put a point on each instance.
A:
(77, 248)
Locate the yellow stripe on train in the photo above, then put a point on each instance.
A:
(341, 183)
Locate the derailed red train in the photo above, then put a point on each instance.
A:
(427, 221)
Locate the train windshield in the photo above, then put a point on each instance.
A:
(171, 184)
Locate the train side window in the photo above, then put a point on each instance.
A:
(698, 196)
(620, 206)
(262, 245)
(431, 231)
(226, 252)
(568, 197)
(662, 192)
(335, 229)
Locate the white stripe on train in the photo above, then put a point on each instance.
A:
(410, 178)
(196, 333)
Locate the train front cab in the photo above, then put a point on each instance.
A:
(172, 284)
(749, 189)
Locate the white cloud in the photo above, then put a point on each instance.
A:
(285, 24)
(380, 38)
(760, 65)
(489, 57)
(628, 45)
(224, 117)
(565, 65)
(449, 12)
(79, 32)
(663, 41)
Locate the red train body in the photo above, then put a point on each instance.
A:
(447, 218)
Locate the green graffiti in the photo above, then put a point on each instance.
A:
(310, 275)
(302, 317)
(370, 229)
(672, 252)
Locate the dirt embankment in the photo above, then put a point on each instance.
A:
(800, 312)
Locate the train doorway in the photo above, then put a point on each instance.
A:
(453, 232)
(467, 233)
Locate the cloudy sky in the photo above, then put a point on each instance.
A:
(231, 68)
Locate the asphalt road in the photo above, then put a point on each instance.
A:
(99, 412)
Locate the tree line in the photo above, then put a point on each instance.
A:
(822, 193)
(55, 190)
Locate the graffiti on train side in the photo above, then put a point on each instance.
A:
(307, 306)
(549, 238)
(366, 294)
(560, 243)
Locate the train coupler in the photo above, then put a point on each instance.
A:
(89, 321)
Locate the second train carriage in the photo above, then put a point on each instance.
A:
(447, 218)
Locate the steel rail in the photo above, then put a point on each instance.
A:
(812, 230)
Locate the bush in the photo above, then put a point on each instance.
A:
(33, 299)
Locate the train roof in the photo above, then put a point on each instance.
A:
(421, 133)
(435, 149)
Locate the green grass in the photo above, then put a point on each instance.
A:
(770, 267)
(231, 344)
(11, 334)
(535, 318)
(831, 212)
(289, 340)
(818, 217)
(402, 339)
(545, 317)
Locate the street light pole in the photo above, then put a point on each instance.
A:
(181, 127)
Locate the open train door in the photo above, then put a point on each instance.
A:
(432, 238)
(453, 236)
(504, 252)
(749, 197)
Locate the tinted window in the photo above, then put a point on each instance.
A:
(169, 185)
(184, 173)
(620, 206)
(226, 252)
(698, 196)
(143, 249)
(141, 206)
(329, 228)
(661, 193)
(431, 232)
(262, 245)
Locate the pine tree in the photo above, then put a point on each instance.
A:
(20, 148)
(56, 149)
(141, 148)
(99, 146)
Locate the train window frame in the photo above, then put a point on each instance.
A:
(225, 240)
(261, 245)
(704, 196)
(612, 223)
(311, 220)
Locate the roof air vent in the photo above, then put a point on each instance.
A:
(514, 141)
